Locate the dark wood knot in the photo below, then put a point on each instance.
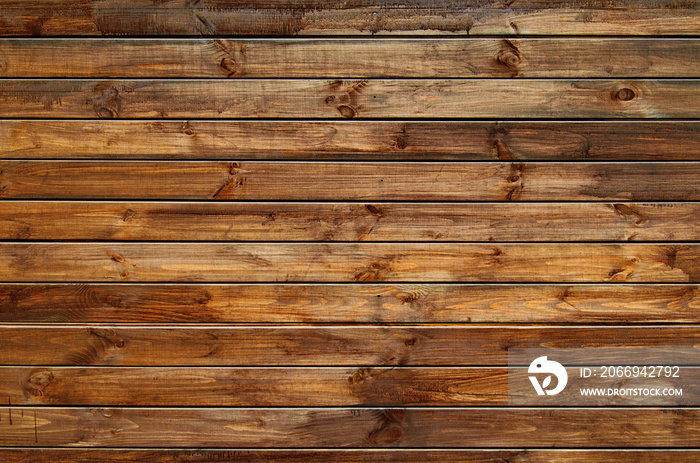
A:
(230, 65)
(346, 111)
(625, 94)
(509, 59)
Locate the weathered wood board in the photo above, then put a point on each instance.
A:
(293, 231)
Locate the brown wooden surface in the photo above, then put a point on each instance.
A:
(352, 140)
(348, 262)
(235, 221)
(347, 456)
(340, 181)
(301, 387)
(294, 272)
(323, 17)
(323, 428)
(259, 387)
(358, 303)
(351, 58)
(360, 346)
(338, 99)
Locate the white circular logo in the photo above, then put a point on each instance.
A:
(550, 367)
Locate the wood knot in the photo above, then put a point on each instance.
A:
(375, 272)
(360, 376)
(229, 65)
(500, 129)
(410, 342)
(346, 111)
(515, 186)
(128, 216)
(106, 113)
(203, 298)
(625, 94)
(374, 210)
(37, 382)
(390, 435)
(399, 141)
(107, 336)
(389, 429)
(407, 298)
(630, 213)
(108, 103)
(348, 102)
(509, 58)
(187, 129)
(117, 257)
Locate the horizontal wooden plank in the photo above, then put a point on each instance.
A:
(44, 455)
(313, 345)
(227, 221)
(352, 140)
(322, 17)
(257, 387)
(334, 99)
(348, 262)
(324, 428)
(304, 387)
(348, 181)
(351, 58)
(359, 303)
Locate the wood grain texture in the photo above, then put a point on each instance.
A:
(258, 387)
(44, 455)
(181, 280)
(338, 99)
(348, 262)
(352, 140)
(236, 221)
(360, 346)
(321, 428)
(304, 387)
(348, 181)
(359, 303)
(322, 17)
(350, 58)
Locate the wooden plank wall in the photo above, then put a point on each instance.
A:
(310, 230)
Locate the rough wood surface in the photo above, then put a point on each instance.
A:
(324, 428)
(347, 181)
(183, 237)
(348, 262)
(258, 387)
(359, 303)
(43, 455)
(338, 99)
(359, 346)
(302, 387)
(337, 17)
(236, 221)
(351, 58)
(352, 140)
